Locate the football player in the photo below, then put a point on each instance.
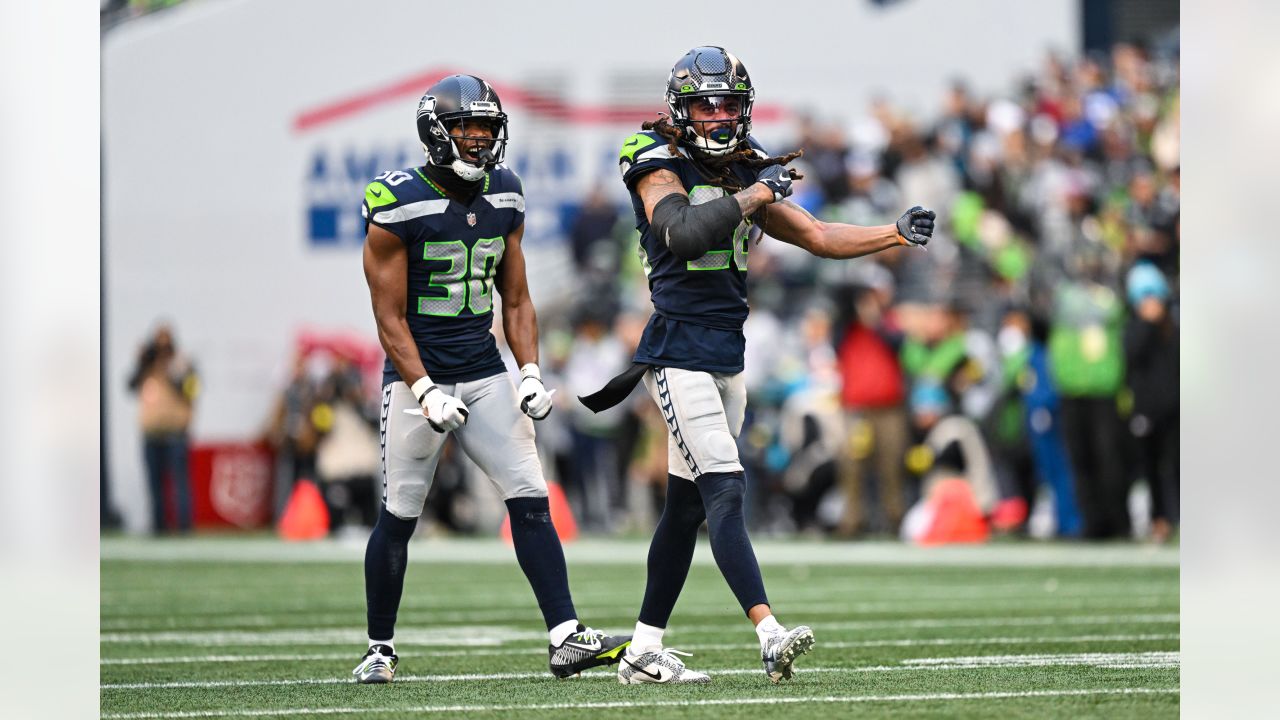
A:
(702, 189)
(441, 239)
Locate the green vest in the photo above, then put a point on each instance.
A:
(1086, 351)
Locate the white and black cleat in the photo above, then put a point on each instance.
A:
(377, 666)
(780, 650)
(660, 667)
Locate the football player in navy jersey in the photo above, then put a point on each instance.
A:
(441, 239)
(702, 190)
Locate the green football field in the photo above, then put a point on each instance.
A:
(250, 627)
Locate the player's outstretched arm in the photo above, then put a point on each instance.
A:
(690, 230)
(520, 326)
(386, 269)
(793, 224)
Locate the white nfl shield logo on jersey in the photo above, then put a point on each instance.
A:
(471, 219)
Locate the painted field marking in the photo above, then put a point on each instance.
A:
(817, 592)
(939, 623)
(1149, 660)
(265, 621)
(904, 642)
(439, 551)
(815, 587)
(436, 639)
(596, 614)
(830, 699)
(488, 635)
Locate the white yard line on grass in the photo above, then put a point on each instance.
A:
(811, 584)
(903, 642)
(807, 586)
(1043, 604)
(633, 552)
(1033, 621)
(451, 635)
(621, 704)
(1030, 621)
(495, 638)
(1100, 660)
(1149, 660)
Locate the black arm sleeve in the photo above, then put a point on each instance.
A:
(690, 230)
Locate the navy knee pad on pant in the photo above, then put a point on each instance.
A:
(541, 557)
(385, 558)
(671, 551)
(723, 496)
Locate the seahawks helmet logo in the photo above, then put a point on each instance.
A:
(427, 106)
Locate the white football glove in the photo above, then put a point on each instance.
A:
(444, 413)
(535, 401)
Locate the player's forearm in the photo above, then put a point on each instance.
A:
(520, 325)
(398, 342)
(842, 241)
(754, 197)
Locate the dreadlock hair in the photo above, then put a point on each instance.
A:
(715, 169)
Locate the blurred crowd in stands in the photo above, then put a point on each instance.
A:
(114, 12)
(1031, 350)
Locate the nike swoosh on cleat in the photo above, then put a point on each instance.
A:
(641, 670)
(589, 648)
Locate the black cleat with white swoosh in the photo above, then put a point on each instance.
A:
(586, 648)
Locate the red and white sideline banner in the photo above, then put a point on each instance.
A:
(231, 485)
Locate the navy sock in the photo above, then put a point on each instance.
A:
(541, 557)
(384, 563)
(723, 495)
(671, 550)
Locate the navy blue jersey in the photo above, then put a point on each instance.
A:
(699, 305)
(454, 252)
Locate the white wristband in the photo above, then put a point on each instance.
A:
(530, 370)
(421, 387)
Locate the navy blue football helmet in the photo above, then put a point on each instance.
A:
(712, 75)
(471, 101)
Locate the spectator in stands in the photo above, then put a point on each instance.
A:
(592, 226)
(166, 384)
(596, 254)
(811, 428)
(873, 394)
(593, 481)
(1087, 362)
(348, 454)
(1151, 356)
(1036, 417)
(292, 434)
(949, 445)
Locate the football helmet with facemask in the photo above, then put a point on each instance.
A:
(471, 102)
(713, 76)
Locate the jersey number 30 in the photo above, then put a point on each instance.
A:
(467, 282)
